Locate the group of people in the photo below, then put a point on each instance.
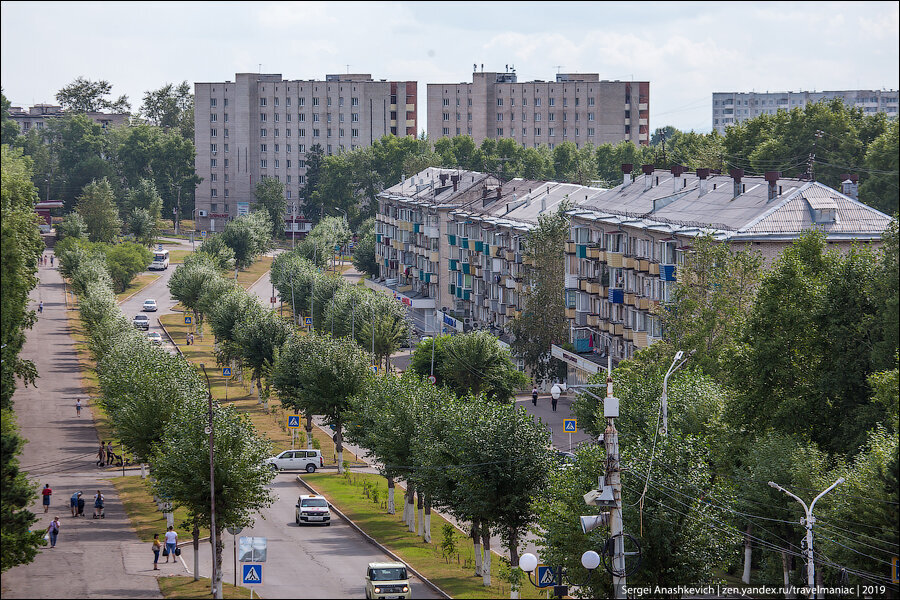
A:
(170, 549)
(44, 260)
(534, 398)
(105, 454)
(190, 339)
(76, 503)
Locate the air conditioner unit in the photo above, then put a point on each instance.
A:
(202, 213)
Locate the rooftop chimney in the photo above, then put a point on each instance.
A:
(737, 175)
(443, 177)
(626, 173)
(648, 181)
(703, 174)
(677, 170)
(455, 180)
(849, 186)
(772, 180)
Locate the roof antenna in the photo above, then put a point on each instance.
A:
(558, 67)
(260, 67)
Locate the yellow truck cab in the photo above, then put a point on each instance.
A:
(387, 580)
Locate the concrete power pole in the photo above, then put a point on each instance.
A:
(613, 479)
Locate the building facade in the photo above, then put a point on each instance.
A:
(730, 108)
(261, 125)
(37, 116)
(578, 108)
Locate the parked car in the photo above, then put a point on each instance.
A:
(149, 305)
(297, 460)
(141, 322)
(155, 338)
(387, 580)
(312, 509)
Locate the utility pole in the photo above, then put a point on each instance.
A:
(216, 590)
(664, 402)
(613, 479)
(808, 522)
(177, 208)
(812, 156)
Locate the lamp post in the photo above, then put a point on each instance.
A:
(808, 522)
(590, 560)
(216, 590)
(664, 402)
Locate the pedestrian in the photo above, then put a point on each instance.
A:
(110, 455)
(73, 503)
(191, 336)
(101, 455)
(157, 546)
(46, 493)
(534, 395)
(40, 307)
(98, 505)
(51, 260)
(78, 407)
(187, 339)
(553, 402)
(171, 543)
(80, 504)
(53, 531)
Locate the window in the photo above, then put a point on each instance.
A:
(212, 176)
(263, 163)
(315, 132)
(213, 132)
(354, 117)
(537, 101)
(276, 132)
(499, 101)
(263, 133)
(276, 163)
(225, 102)
(301, 101)
(301, 132)
(354, 133)
(550, 101)
(590, 116)
(444, 102)
(301, 117)
(213, 117)
(301, 148)
(287, 101)
(499, 116)
(316, 117)
(263, 147)
(354, 101)
(341, 132)
(213, 148)
(301, 164)
(226, 166)
(212, 102)
(590, 131)
(276, 117)
(212, 163)
(277, 148)
(446, 116)
(537, 116)
(276, 101)
(213, 193)
(499, 132)
(328, 101)
(315, 101)
(590, 101)
(341, 118)
(551, 117)
(550, 131)
(262, 101)
(445, 131)
(287, 133)
(537, 131)
(226, 132)
(524, 132)
(328, 117)
(226, 117)
(287, 147)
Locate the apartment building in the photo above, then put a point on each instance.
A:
(574, 107)
(37, 116)
(261, 125)
(730, 108)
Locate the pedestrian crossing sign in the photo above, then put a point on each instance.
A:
(187, 320)
(546, 577)
(307, 321)
(570, 425)
(293, 421)
(251, 574)
(226, 372)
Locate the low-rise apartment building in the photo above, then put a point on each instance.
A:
(37, 116)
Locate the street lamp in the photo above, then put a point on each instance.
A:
(808, 522)
(212, 487)
(664, 402)
(590, 560)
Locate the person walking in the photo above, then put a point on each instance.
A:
(73, 503)
(51, 260)
(553, 402)
(41, 307)
(110, 455)
(171, 543)
(80, 504)
(53, 531)
(78, 407)
(534, 395)
(191, 339)
(46, 493)
(101, 455)
(157, 546)
(98, 505)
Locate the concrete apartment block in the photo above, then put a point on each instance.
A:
(261, 125)
(575, 107)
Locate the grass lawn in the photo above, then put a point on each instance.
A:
(250, 275)
(454, 575)
(136, 285)
(143, 512)
(270, 422)
(176, 257)
(186, 587)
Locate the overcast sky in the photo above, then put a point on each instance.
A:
(687, 50)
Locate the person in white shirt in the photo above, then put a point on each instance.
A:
(171, 543)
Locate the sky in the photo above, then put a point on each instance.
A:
(686, 50)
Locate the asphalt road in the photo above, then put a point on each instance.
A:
(305, 561)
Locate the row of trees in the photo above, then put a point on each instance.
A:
(20, 247)
(157, 405)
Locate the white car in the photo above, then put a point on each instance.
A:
(312, 509)
(155, 338)
(149, 305)
(297, 460)
(141, 322)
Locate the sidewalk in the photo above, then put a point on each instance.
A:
(89, 558)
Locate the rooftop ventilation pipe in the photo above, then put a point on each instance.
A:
(772, 180)
(677, 170)
(626, 173)
(850, 186)
(703, 174)
(648, 180)
(737, 175)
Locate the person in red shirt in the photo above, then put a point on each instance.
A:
(46, 492)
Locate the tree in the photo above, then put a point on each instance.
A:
(182, 468)
(259, 336)
(142, 226)
(886, 297)
(73, 226)
(248, 236)
(314, 164)
(364, 249)
(543, 320)
(391, 326)
(20, 544)
(269, 194)
(126, 260)
(318, 374)
(188, 284)
(80, 150)
(879, 188)
(218, 252)
(10, 130)
(171, 107)
(86, 96)
(711, 301)
(97, 207)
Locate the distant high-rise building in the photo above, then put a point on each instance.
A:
(730, 108)
(577, 108)
(260, 126)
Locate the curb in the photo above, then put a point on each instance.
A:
(169, 335)
(375, 543)
(130, 296)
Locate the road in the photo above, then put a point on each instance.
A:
(89, 559)
(307, 561)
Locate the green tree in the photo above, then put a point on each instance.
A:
(9, 130)
(391, 326)
(248, 236)
(20, 544)
(318, 375)
(543, 320)
(142, 226)
(879, 188)
(126, 260)
(364, 249)
(886, 298)
(315, 159)
(171, 107)
(182, 467)
(188, 284)
(259, 336)
(80, 149)
(85, 96)
(218, 252)
(97, 207)
(269, 194)
(73, 226)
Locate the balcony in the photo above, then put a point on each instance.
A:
(593, 320)
(478, 246)
(631, 299)
(466, 268)
(643, 265)
(570, 313)
(654, 268)
(570, 247)
(451, 239)
(614, 259)
(464, 243)
(510, 255)
(582, 344)
(641, 339)
(583, 285)
(593, 252)
(581, 250)
(667, 272)
(616, 296)
(628, 262)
